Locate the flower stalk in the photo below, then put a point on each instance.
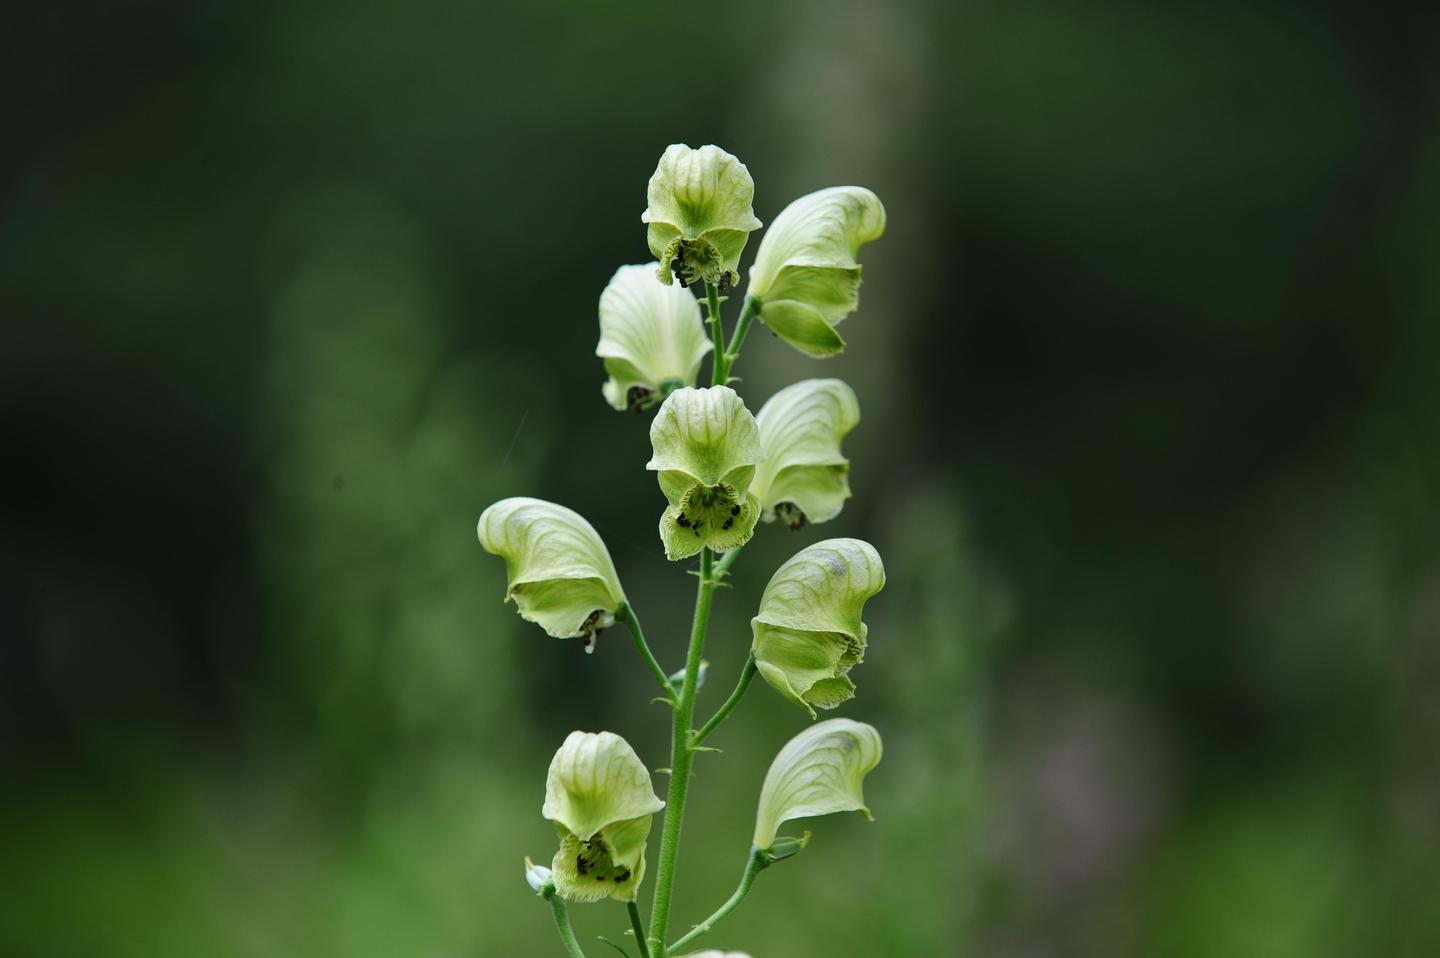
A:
(722, 471)
(682, 757)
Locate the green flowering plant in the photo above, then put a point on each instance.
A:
(722, 472)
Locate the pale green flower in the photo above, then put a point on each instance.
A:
(808, 633)
(700, 215)
(706, 447)
(805, 275)
(652, 337)
(560, 573)
(818, 772)
(804, 478)
(599, 797)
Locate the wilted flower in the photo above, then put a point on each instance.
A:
(560, 573)
(700, 215)
(651, 337)
(805, 274)
(598, 796)
(808, 633)
(804, 478)
(706, 446)
(819, 771)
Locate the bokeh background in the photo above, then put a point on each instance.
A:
(1149, 363)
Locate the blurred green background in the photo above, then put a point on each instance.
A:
(1149, 363)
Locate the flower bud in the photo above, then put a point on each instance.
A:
(819, 771)
(700, 215)
(540, 879)
(804, 478)
(805, 274)
(598, 796)
(808, 633)
(706, 446)
(652, 337)
(712, 953)
(559, 571)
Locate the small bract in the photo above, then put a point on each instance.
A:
(706, 446)
(560, 573)
(652, 337)
(808, 633)
(700, 215)
(805, 276)
(599, 797)
(804, 477)
(818, 772)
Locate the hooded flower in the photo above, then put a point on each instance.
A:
(598, 796)
(808, 633)
(651, 337)
(805, 275)
(560, 573)
(818, 772)
(706, 447)
(700, 215)
(804, 476)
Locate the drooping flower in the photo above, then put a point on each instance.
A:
(652, 337)
(806, 277)
(700, 215)
(804, 477)
(808, 633)
(706, 447)
(599, 797)
(818, 772)
(559, 571)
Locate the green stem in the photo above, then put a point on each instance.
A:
(746, 674)
(681, 758)
(562, 922)
(638, 927)
(717, 333)
(722, 568)
(737, 339)
(757, 863)
(627, 615)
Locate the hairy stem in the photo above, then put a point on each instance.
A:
(562, 923)
(746, 674)
(681, 758)
(721, 368)
(627, 615)
(638, 927)
(757, 863)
